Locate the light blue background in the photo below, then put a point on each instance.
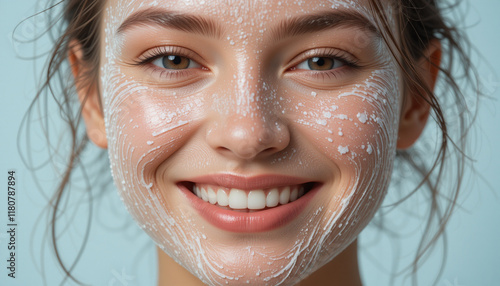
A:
(122, 255)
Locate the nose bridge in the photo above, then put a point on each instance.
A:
(251, 126)
(248, 88)
(252, 103)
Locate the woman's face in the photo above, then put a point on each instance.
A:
(252, 140)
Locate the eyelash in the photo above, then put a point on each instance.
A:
(162, 51)
(349, 61)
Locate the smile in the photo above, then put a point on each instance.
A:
(241, 200)
(255, 204)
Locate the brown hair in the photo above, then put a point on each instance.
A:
(80, 23)
(420, 21)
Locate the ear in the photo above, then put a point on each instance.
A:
(88, 94)
(415, 110)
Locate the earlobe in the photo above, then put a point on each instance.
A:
(416, 109)
(88, 95)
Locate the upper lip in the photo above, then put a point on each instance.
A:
(266, 181)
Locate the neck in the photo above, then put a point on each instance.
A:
(342, 270)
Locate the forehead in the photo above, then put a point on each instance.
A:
(233, 15)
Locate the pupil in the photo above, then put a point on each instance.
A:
(175, 59)
(175, 62)
(319, 61)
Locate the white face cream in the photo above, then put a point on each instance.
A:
(255, 106)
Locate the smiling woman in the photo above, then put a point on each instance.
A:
(254, 140)
(211, 158)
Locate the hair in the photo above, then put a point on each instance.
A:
(419, 22)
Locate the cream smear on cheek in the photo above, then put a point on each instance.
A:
(146, 125)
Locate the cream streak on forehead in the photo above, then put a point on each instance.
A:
(145, 125)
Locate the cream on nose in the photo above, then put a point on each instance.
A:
(249, 125)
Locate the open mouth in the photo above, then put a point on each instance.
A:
(248, 200)
(249, 204)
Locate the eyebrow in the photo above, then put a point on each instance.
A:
(319, 22)
(168, 19)
(287, 28)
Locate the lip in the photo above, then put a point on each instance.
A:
(242, 222)
(249, 183)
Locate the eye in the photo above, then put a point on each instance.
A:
(175, 62)
(320, 64)
(326, 68)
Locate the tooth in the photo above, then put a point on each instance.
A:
(256, 200)
(301, 191)
(222, 199)
(212, 197)
(197, 191)
(285, 195)
(237, 199)
(294, 194)
(204, 195)
(273, 198)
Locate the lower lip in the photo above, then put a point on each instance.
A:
(242, 222)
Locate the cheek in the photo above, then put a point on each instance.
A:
(145, 126)
(356, 132)
(355, 127)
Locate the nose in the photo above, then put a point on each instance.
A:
(248, 136)
(250, 126)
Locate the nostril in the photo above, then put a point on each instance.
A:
(240, 153)
(269, 150)
(224, 151)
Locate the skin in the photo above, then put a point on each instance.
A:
(248, 106)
